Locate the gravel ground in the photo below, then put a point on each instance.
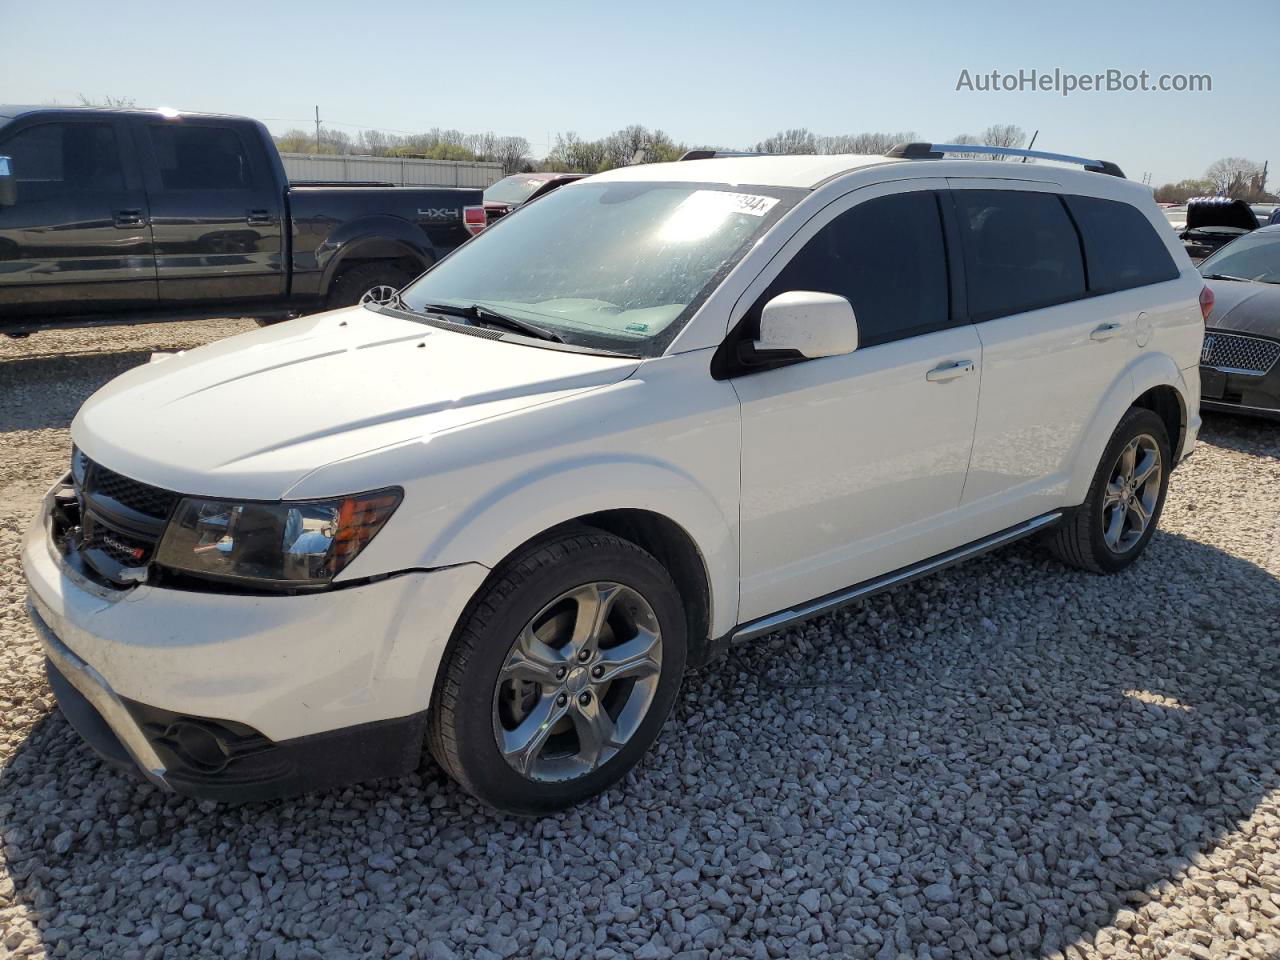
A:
(1009, 759)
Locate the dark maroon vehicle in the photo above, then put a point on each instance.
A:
(510, 192)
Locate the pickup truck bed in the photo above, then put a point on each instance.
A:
(131, 215)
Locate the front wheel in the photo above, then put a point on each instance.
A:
(1115, 523)
(561, 675)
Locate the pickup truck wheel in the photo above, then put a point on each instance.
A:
(1118, 517)
(373, 282)
(561, 674)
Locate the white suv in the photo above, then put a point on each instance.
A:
(659, 411)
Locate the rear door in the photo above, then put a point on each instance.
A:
(1049, 351)
(216, 211)
(77, 239)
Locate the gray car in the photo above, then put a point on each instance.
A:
(1240, 363)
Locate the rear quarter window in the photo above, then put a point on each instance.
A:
(1121, 248)
(1021, 252)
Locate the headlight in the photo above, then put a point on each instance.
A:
(300, 544)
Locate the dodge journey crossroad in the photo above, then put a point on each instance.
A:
(662, 410)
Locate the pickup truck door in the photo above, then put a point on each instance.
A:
(216, 210)
(854, 466)
(77, 239)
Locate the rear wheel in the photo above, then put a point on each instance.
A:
(561, 675)
(1118, 517)
(375, 282)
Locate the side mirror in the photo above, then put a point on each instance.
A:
(808, 323)
(8, 183)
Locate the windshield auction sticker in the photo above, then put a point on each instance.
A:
(703, 212)
(751, 204)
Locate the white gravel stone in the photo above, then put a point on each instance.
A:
(1008, 759)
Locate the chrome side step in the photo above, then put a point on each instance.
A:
(814, 608)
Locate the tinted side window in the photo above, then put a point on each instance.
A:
(1021, 251)
(887, 257)
(1121, 250)
(51, 158)
(200, 157)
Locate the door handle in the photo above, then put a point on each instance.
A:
(127, 219)
(258, 216)
(952, 370)
(1106, 331)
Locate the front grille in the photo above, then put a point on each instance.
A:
(141, 497)
(1237, 353)
(122, 519)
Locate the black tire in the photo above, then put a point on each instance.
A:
(462, 721)
(1079, 540)
(354, 282)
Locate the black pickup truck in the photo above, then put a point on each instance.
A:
(125, 215)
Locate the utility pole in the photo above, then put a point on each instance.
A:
(317, 128)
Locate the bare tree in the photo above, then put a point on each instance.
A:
(337, 140)
(796, 140)
(375, 143)
(1004, 135)
(967, 139)
(1183, 190)
(512, 153)
(1233, 176)
(296, 141)
(118, 103)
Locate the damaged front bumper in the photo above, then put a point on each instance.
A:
(241, 697)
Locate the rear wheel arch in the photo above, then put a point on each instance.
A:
(356, 254)
(1151, 382)
(1167, 403)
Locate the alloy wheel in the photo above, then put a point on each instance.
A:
(578, 682)
(1132, 492)
(379, 294)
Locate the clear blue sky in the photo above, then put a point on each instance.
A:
(727, 73)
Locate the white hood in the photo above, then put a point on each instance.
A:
(250, 416)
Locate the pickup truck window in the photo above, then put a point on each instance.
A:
(55, 157)
(620, 266)
(200, 157)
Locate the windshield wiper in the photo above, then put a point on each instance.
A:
(1226, 276)
(486, 317)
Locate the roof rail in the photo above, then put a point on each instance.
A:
(712, 154)
(936, 151)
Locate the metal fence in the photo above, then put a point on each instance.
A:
(400, 171)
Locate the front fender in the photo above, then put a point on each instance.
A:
(489, 528)
(1146, 371)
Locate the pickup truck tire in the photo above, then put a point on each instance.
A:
(1115, 523)
(354, 283)
(560, 675)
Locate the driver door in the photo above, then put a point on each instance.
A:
(854, 466)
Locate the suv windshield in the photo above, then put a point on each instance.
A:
(1255, 256)
(617, 266)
